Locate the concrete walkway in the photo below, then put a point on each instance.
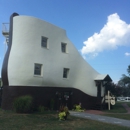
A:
(100, 118)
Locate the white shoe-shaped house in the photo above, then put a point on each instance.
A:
(42, 62)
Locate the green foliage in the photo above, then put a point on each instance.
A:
(111, 87)
(125, 80)
(64, 112)
(52, 103)
(74, 107)
(128, 70)
(23, 104)
(62, 115)
(123, 86)
(119, 91)
(41, 109)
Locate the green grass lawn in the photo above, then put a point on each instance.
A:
(117, 108)
(49, 121)
(128, 103)
(118, 111)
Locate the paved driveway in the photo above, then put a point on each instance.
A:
(100, 118)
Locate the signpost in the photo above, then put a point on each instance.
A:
(110, 100)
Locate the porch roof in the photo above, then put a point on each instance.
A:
(104, 77)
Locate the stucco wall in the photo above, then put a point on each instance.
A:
(26, 50)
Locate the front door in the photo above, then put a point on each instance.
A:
(64, 98)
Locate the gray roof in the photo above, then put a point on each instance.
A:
(103, 77)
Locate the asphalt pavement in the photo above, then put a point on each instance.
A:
(100, 118)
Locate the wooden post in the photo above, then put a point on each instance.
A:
(108, 100)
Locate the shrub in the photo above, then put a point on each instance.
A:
(52, 102)
(41, 109)
(23, 104)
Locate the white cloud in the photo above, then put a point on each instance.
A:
(115, 32)
(127, 54)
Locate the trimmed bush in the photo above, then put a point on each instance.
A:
(23, 104)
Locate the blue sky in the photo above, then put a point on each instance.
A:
(99, 29)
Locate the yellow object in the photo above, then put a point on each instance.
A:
(62, 115)
(78, 108)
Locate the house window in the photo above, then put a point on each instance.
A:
(37, 69)
(65, 72)
(44, 42)
(63, 47)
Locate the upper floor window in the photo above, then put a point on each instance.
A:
(65, 72)
(44, 42)
(37, 69)
(64, 47)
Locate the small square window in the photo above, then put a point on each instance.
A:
(37, 69)
(63, 47)
(44, 42)
(65, 72)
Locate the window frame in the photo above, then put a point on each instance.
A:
(36, 73)
(66, 73)
(63, 50)
(42, 42)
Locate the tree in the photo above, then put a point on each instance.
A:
(115, 89)
(111, 87)
(118, 91)
(124, 82)
(128, 70)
